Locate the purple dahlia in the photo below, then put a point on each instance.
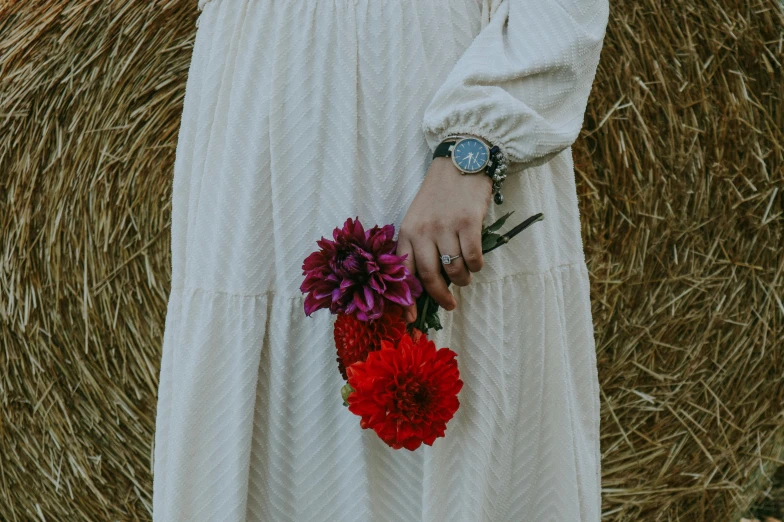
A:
(356, 272)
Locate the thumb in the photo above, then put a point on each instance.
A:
(404, 248)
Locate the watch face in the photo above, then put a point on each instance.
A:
(470, 155)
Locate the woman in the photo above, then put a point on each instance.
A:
(301, 113)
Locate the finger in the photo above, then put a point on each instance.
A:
(471, 247)
(428, 266)
(449, 243)
(404, 247)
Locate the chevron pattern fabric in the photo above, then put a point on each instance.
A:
(300, 113)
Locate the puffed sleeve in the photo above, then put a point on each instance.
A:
(523, 82)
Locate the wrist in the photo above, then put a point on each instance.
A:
(453, 183)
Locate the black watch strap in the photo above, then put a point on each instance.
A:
(443, 149)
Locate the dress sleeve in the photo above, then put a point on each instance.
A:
(523, 82)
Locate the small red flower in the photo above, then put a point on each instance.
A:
(406, 394)
(355, 339)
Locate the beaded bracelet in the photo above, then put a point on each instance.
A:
(497, 172)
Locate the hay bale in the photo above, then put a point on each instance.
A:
(681, 164)
(680, 168)
(90, 98)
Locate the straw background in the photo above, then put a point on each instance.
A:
(680, 168)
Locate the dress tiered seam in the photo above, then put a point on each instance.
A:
(284, 295)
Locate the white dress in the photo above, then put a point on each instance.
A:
(301, 113)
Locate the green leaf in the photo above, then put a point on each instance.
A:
(499, 222)
(489, 240)
(345, 391)
(434, 322)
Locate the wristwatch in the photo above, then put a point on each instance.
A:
(471, 154)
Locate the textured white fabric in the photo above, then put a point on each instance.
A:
(300, 113)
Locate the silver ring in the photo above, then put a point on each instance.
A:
(446, 258)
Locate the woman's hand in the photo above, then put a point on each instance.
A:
(445, 217)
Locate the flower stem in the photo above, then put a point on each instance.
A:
(420, 321)
(514, 231)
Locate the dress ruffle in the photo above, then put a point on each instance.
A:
(251, 424)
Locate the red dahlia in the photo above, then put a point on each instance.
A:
(406, 394)
(355, 339)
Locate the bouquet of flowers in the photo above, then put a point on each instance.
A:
(398, 382)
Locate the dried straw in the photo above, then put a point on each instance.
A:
(680, 169)
(90, 98)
